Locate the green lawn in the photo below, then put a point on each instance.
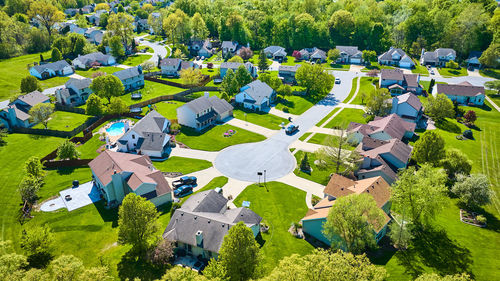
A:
(89, 149)
(335, 66)
(354, 86)
(215, 59)
(153, 38)
(494, 96)
(490, 72)
(376, 65)
(136, 59)
(279, 205)
(420, 69)
(296, 104)
(106, 69)
(304, 136)
(453, 72)
(335, 110)
(167, 108)
(214, 140)
(365, 86)
(317, 175)
(263, 119)
(290, 61)
(214, 183)
(182, 165)
(64, 121)
(151, 90)
(346, 116)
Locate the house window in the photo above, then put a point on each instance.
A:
(189, 248)
(133, 137)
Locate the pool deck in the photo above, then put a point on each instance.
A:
(113, 139)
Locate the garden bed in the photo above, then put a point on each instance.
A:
(472, 218)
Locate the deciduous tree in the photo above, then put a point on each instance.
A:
(120, 25)
(436, 277)
(33, 167)
(67, 150)
(46, 13)
(66, 268)
(333, 54)
(41, 112)
(94, 106)
(470, 117)
(429, 148)
(494, 85)
(56, 55)
(369, 56)
(456, 162)
(336, 154)
(200, 30)
(236, 59)
(400, 234)
(353, 218)
(377, 104)
(162, 252)
(116, 46)
(315, 79)
(246, 53)
(191, 76)
(29, 84)
(28, 189)
(242, 76)
(439, 107)
(38, 242)
(474, 190)
(117, 106)
(107, 86)
(229, 84)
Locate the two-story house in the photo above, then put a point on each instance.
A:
(473, 59)
(16, 113)
(49, 70)
(438, 58)
(409, 107)
(173, 67)
(313, 54)
(463, 93)
(93, 59)
(199, 226)
(396, 57)
(204, 112)
(287, 73)
(381, 128)
(117, 174)
(398, 82)
(229, 48)
(349, 54)
(75, 93)
(339, 186)
(256, 95)
(275, 52)
(202, 48)
(132, 78)
(235, 65)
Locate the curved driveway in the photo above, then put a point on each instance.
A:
(244, 161)
(158, 49)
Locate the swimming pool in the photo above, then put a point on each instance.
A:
(116, 129)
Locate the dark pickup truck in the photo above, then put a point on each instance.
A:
(291, 129)
(184, 181)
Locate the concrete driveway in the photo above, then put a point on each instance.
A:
(158, 49)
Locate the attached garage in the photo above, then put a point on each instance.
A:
(355, 60)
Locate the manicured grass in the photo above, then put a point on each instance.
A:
(376, 65)
(335, 66)
(494, 96)
(296, 104)
(89, 149)
(214, 183)
(167, 108)
(317, 175)
(153, 38)
(365, 86)
(335, 110)
(304, 136)
(354, 86)
(214, 140)
(182, 165)
(279, 205)
(14, 69)
(346, 116)
(151, 90)
(136, 59)
(290, 61)
(490, 72)
(64, 121)
(215, 58)
(453, 72)
(322, 139)
(106, 69)
(420, 69)
(263, 119)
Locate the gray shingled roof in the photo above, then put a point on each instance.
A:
(127, 73)
(153, 141)
(388, 55)
(230, 65)
(93, 57)
(290, 68)
(56, 66)
(78, 83)
(349, 50)
(202, 103)
(170, 62)
(33, 98)
(462, 89)
(411, 99)
(392, 74)
(229, 44)
(257, 90)
(220, 106)
(153, 122)
(273, 49)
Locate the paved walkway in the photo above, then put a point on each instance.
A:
(355, 106)
(282, 114)
(305, 146)
(194, 153)
(492, 103)
(323, 130)
(474, 73)
(303, 184)
(252, 127)
(77, 76)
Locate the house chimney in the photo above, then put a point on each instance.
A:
(199, 238)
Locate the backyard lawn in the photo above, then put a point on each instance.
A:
(420, 69)
(263, 119)
(151, 90)
(182, 165)
(89, 149)
(453, 72)
(346, 116)
(296, 104)
(106, 69)
(136, 59)
(365, 86)
(279, 205)
(214, 139)
(167, 108)
(64, 121)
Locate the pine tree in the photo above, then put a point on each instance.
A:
(263, 63)
(304, 164)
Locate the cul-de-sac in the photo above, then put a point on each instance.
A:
(249, 140)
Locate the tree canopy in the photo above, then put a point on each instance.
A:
(315, 79)
(107, 86)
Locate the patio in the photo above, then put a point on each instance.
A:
(81, 196)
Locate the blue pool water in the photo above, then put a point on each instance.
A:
(116, 129)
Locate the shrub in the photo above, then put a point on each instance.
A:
(286, 110)
(468, 134)
(481, 219)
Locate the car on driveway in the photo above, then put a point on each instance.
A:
(432, 72)
(337, 80)
(183, 190)
(183, 181)
(291, 129)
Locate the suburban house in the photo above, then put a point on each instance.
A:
(96, 17)
(117, 174)
(409, 107)
(256, 95)
(396, 57)
(49, 70)
(94, 36)
(71, 12)
(339, 186)
(132, 78)
(382, 158)
(398, 82)
(149, 136)
(275, 52)
(203, 112)
(312, 54)
(229, 48)
(75, 93)
(173, 67)
(93, 59)
(438, 58)
(349, 54)
(463, 93)
(287, 73)
(202, 48)
(200, 224)
(141, 24)
(87, 9)
(16, 113)
(234, 66)
(473, 59)
(381, 128)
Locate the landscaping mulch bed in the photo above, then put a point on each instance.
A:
(470, 218)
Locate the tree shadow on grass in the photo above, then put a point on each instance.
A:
(433, 248)
(448, 126)
(383, 253)
(131, 267)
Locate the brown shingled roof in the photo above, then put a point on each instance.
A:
(461, 89)
(392, 124)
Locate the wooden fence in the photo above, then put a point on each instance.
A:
(178, 97)
(151, 77)
(66, 163)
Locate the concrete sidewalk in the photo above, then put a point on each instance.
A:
(303, 184)
(252, 127)
(282, 114)
(194, 154)
(323, 130)
(305, 146)
(492, 103)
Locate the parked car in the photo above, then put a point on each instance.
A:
(183, 190)
(432, 72)
(337, 80)
(291, 129)
(183, 181)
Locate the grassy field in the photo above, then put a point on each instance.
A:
(290, 61)
(296, 104)
(376, 65)
(182, 165)
(317, 175)
(453, 72)
(167, 108)
(214, 140)
(354, 87)
(490, 72)
(365, 86)
(151, 90)
(335, 110)
(64, 121)
(420, 69)
(263, 119)
(136, 59)
(346, 116)
(494, 96)
(279, 212)
(106, 69)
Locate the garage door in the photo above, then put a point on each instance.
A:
(356, 60)
(405, 64)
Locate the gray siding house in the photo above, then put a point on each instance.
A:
(76, 92)
(132, 78)
(204, 112)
